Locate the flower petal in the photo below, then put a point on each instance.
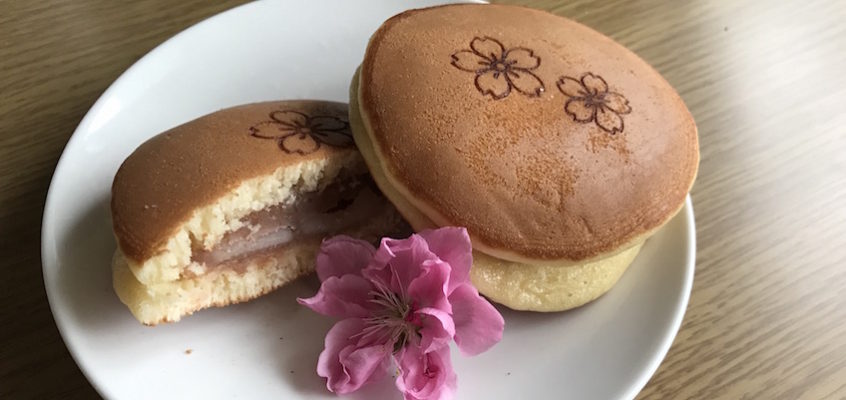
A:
(525, 82)
(397, 262)
(437, 330)
(290, 118)
(426, 375)
(429, 289)
(452, 245)
(522, 58)
(478, 325)
(299, 143)
(363, 365)
(608, 120)
(577, 108)
(377, 270)
(343, 255)
(344, 297)
(594, 83)
(488, 48)
(467, 60)
(346, 365)
(617, 103)
(571, 87)
(493, 83)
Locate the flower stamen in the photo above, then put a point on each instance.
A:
(395, 321)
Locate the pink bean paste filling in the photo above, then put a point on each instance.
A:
(341, 205)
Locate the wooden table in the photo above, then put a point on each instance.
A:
(765, 80)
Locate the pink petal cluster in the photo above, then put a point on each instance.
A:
(402, 303)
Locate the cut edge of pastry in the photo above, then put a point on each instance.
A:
(209, 224)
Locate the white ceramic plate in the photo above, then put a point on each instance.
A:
(268, 348)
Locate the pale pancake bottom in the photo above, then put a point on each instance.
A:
(529, 287)
(547, 287)
(169, 301)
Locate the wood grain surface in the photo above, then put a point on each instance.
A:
(765, 80)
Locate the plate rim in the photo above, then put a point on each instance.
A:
(681, 307)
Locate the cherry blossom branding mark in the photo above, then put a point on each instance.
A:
(591, 101)
(498, 70)
(296, 132)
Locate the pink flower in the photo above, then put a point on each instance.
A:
(407, 301)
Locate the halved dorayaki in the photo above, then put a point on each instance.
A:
(234, 204)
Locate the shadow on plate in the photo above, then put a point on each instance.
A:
(299, 345)
(84, 274)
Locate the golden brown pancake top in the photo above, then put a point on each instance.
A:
(546, 139)
(192, 165)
